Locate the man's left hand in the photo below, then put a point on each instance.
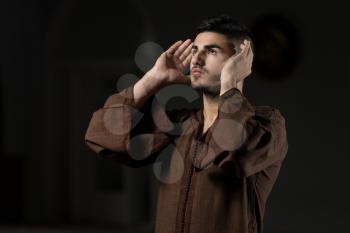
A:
(237, 68)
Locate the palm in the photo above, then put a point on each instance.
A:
(238, 67)
(171, 64)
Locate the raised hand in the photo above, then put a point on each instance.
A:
(168, 69)
(170, 65)
(237, 68)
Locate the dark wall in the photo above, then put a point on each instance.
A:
(56, 61)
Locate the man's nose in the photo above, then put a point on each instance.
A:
(198, 58)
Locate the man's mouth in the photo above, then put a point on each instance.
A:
(196, 71)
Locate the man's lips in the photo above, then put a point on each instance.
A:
(196, 71)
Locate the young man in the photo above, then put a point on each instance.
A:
(223, 159)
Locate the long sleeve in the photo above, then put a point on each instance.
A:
(120, 132)
(248, 138)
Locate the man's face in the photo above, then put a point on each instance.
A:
(210, 51)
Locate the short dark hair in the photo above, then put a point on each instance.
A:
(226, 25)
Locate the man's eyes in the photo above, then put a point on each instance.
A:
(194, 51)
(209, 51)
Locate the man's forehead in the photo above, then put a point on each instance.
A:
(210, 38)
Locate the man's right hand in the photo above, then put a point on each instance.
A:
(171, 64)
(168, 69)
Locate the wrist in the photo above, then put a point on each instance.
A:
(227, 85)
(152, 81)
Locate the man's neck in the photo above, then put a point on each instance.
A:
(210, 107)
(210, 110)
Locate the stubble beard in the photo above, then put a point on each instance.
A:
(209, 90)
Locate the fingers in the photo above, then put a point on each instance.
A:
(182, 48)
(174, 47)
(246, 51)
(245, 47)
(187, 52)
(243, 50)
(181, 52)
(244, 44)
(250, 53)
(187, 60)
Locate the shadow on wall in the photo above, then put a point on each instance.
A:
(277, 47)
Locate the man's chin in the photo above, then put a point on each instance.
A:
(195, 85)
(205, 89)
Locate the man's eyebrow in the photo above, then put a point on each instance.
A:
(209, 46)
(212, 46)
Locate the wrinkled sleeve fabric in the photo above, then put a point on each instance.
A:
(121, 132)
(247, 138)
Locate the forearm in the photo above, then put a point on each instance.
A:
(147, 86)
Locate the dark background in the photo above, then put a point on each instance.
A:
(60, 59)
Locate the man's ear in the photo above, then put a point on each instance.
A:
(233, 46)
(236, 43)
